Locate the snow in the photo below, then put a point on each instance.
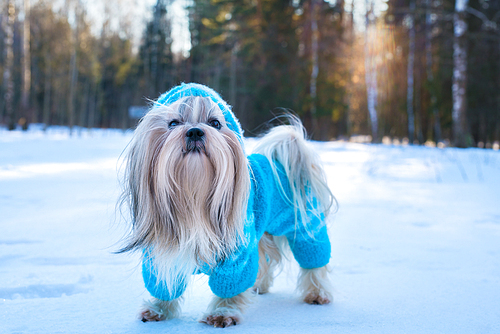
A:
(415, 243)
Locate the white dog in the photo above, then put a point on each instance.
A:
(200, 205)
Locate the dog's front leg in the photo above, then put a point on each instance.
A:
(156, 309)
(315, 286)
(225, 312)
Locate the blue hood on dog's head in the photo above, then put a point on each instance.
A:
(194, 89)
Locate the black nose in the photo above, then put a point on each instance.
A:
(195, 134)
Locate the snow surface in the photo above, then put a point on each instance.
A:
(416, 243)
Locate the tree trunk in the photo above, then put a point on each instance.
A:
(315, 67)
(154, 46)
(84, 106)
(47, 87)
(411, 60)
(73, 77)
(459, 85)
(430, 74)
(418, 106)
(349, 37)
(233, 73)
(371, 73)
(26, 64)
(93, 105)
(8, 82)
(218, 70)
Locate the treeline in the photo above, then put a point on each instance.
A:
(446, 70)
(423, 69)
(67, 75)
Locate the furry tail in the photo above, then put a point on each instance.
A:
(287, 145)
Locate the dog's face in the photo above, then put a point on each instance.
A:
(196, 123)
(188, 182)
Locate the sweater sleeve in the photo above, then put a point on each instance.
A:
(238, 272)
(310, 245)
(157, 287)
(275, 213)
(311, 248)
(235, 275)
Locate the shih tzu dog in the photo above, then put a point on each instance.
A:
(200, 205)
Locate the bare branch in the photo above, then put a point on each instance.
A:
(489, 25)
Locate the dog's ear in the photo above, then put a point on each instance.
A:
(138, 185)
(231, 206)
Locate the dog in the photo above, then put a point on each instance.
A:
(198, 204)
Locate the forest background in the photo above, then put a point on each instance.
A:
(421, 71)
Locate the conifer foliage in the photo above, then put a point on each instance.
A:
(420, 69)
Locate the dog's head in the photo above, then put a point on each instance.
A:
(187, 182)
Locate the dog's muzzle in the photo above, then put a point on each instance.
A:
(195, 138)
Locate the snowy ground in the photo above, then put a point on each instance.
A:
(416, 243)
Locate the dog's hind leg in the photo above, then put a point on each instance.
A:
(156, 309)
(269, 259)
(225, 312)
(315, 286)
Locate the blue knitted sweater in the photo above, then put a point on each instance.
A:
(268, 211)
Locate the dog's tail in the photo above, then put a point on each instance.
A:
(309, 189)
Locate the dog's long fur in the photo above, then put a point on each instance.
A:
(188, 209)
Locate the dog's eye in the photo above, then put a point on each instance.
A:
(215, 123)
(173, 123)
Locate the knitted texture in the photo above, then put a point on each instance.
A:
(268, 211)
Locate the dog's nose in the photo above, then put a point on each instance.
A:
(195, 134)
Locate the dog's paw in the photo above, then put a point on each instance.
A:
(259, 290)
(150, 315)
(158, 310)
(316, 298)
(315, 286)
(221, 321)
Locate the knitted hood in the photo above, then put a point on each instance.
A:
(194, 89)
